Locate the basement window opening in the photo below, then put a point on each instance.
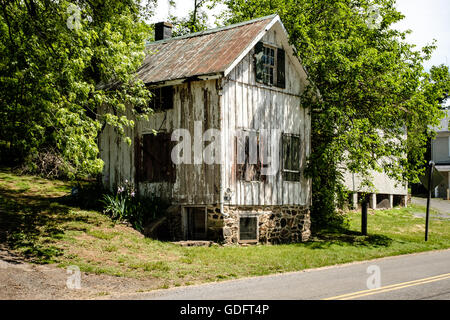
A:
(196, 223)
(248, 229)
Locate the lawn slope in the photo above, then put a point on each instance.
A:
(38, 223)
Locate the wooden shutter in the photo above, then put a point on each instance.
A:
(291, 157)
(157, 163)
(137, 160)
(259, 62)
(281, 68)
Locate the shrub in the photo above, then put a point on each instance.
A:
(126, 205)
(47, 163)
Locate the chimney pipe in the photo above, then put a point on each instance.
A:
(163, 30)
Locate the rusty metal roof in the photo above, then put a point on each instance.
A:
(202, 53)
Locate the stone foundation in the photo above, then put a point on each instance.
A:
(276, 224)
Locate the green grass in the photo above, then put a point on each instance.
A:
(38, 223)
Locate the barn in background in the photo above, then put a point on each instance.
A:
(233, 92)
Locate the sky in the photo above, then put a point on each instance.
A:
(428, 20)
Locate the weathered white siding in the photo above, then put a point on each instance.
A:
(228, 104)
(248, 104)
(117, 155)
(195, 183)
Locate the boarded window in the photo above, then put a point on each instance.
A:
(291, 157)
(248, 229)
(270, 65)
(248, 160)
(196, 223)
(157, 165)
(162, 98)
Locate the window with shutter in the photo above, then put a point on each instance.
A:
(157, 165)
(291, 157)
(248, 151)
(270, 65)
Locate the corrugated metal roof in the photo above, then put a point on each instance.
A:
(201, 53)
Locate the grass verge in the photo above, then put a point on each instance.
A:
(37, 223)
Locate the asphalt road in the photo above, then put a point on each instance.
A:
(441, 206)
(417, 276)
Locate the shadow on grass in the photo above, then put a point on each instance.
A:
(31, 223)
(344, 237)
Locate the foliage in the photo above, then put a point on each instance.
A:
(195, 21)
(59, 63)
(373, 90)
(47, 163)
(126, 205)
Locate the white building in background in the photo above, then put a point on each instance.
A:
(386, 192)
(389, 192)
(440, 154)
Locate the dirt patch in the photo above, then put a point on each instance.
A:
(21, 280)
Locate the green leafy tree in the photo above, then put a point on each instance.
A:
(60, 62)
(374, 90)
(195, 21)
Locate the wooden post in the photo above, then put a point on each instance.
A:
(364, 216)
(355, 200)
(391, 201)
(373, 201)
(427, 218)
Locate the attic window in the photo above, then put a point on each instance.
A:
(291, 157)
(162, 98)
(270, 65)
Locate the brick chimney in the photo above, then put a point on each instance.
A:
(163, 30)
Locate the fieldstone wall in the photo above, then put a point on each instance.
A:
(276, 224)
(215, 224)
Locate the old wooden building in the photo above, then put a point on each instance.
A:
(238, 88)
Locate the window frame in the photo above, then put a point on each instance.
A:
(252, 215)
(190, 233)
(241, 168)
(288, 172)
(272, 67)
(157, 102)
(278, 75)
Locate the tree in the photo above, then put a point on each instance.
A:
(196, 19)
(373, 88)
(61, 61)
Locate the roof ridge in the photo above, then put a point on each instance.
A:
(214, 30)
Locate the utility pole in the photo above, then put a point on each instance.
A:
(430, 176)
